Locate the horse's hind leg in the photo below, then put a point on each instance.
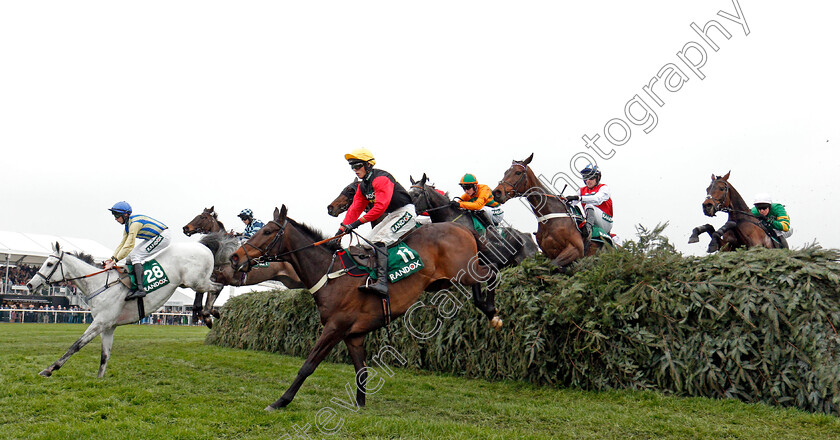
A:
(209, 311)
(356, 347)
(197, 311)
(107, 337)
(92, 331)
(325, 343)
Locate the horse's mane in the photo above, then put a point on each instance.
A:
(316, 235)
(222, 245)
(87, 258)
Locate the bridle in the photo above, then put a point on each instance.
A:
(718, 204)
(515, 192)
(64, 278)
(428, 200)
(201, 229)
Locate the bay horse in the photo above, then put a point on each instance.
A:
(742, 228)
(557, 232)
(448, 253)
(185, 264)
(223, 244)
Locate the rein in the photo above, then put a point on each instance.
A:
(59, 264)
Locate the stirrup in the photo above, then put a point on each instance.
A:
(134, 294)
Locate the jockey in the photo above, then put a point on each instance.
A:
(390, 201)
(773, 217)
(154, 234)
(596, 199)
(479, 197)
(252, 225)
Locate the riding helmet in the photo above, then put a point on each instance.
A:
(246, 213)
(468, 179)
(763, 198)
(360, 155)
(121, 208)
(591, 171)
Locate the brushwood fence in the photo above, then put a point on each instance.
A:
(757, 325)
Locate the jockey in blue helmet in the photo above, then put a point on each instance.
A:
(154, 234)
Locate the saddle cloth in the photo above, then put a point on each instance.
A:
(360, 261)
(153, 276)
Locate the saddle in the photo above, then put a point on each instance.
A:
(775, 239)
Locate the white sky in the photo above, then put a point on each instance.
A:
(175, 106)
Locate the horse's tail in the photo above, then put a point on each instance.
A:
(221, 245)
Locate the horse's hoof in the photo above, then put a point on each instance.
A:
(270, 408)
(208, 323)
(693, 239)
(496, 323)
(215, 313)
(45, 373)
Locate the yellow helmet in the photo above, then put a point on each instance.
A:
(360, 154)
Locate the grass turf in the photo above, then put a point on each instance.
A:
(164, 383)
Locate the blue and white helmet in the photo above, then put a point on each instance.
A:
(591, 172)
(121, 208)
(246, 213)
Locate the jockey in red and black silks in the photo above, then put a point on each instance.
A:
(391, 202)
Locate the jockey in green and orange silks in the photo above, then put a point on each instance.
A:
(478, 196)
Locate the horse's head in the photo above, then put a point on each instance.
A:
(50, 272)
(204, 223)
(515, 181)
(344, 199)
(717, 195)
(418, 194)
(267, 242)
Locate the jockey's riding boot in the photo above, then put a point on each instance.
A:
(783, 241)
(484, 219)
(381, 286)
(138, 276)
(590, 222)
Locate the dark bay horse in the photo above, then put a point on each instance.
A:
(344, 200)
(448, 252)
(508, 249)
(741, 229)
(223, 244)
(557, 232)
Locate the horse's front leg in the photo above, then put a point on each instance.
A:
(356, 348)
(695, 233)
(329, 338)
(92, 331)
(107, 338)
(485, 301)
(567, 257)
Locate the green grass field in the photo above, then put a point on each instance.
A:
(164, 383)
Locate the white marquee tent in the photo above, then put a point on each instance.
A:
(26, 248)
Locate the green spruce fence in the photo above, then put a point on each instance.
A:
(758, 325)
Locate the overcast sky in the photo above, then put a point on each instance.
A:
(175, 106)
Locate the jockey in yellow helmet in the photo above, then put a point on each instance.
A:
(391, 202)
